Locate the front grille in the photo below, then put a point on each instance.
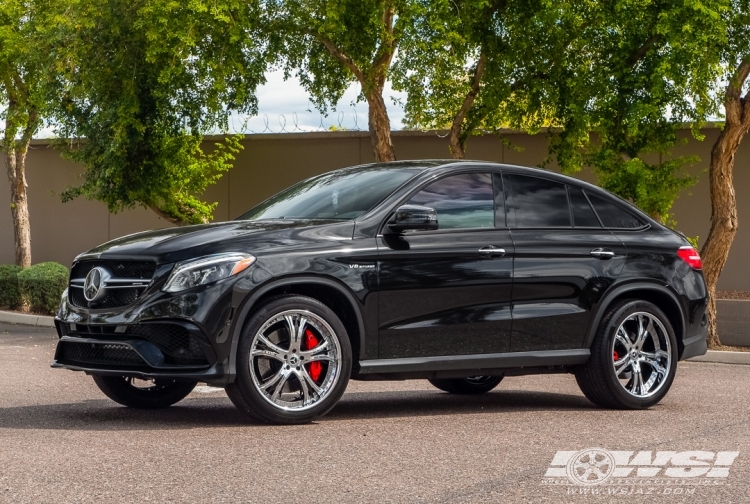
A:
(75, 296)
(115, 297)
(109, 354)
(143, 270)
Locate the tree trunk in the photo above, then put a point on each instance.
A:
(723, 216)
(380, 127)
(15, 161)
(458, 148)
(372, 80)
(457, 138)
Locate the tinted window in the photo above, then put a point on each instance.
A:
(538, 202)
(461, 201)
(583, 214)
(343, 194)
(613, 215)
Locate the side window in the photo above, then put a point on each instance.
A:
(461, 201)
(538, 202)
(583, 214)
(613, 215)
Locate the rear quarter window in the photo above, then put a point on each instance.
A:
(613, 215)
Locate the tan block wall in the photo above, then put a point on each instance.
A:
(271, 162)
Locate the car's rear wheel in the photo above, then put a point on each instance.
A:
(293, 362)
(633, 358)
(144, 394)
(471, 385)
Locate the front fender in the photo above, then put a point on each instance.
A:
(251, 300)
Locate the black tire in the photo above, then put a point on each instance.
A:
(161, 394)
(467, 386)
(598, 379)
(246, 392)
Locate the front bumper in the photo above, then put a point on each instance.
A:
(183, 336)
(215, 375)
(174, 349)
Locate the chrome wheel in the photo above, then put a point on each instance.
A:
(295, 360)
(641, 354)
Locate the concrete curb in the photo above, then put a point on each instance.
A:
(723, 357)
(26, 319)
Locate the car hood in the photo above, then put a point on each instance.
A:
(180, 243)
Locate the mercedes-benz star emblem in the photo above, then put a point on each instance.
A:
(93, 286)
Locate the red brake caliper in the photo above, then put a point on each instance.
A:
(314, 368)
(616, 356)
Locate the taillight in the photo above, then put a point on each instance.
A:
(690, 256)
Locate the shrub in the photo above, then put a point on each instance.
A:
(10, 293)
(42, 286)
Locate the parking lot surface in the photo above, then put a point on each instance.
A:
(61, 440)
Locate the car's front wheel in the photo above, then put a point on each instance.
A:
(467, 386)
(144, 394)
(633, 358)
(293, 362)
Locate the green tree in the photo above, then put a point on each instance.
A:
(25, 71)
(630, 72)
(330, 44)
(141, 83)
(478, 65)
(635, 74)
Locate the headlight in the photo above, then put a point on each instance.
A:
(205, 270)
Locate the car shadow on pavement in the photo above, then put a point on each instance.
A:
(102, 414)
(429, 403)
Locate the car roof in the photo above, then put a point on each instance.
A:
(420, 165)
(442, 165)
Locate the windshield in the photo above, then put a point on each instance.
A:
(342, 194)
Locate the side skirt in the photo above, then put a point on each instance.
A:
(473, 365)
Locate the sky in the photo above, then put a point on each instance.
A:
(279, 101)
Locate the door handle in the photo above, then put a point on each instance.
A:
(491, 250)
(603, 253)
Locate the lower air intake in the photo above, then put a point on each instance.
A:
(106, 354)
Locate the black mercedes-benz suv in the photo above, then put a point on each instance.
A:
(458, 272)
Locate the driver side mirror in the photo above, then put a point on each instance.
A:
(413, 217)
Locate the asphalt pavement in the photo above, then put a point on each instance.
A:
(61, 440)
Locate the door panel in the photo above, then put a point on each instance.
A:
(439, 295)
(557, 281)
